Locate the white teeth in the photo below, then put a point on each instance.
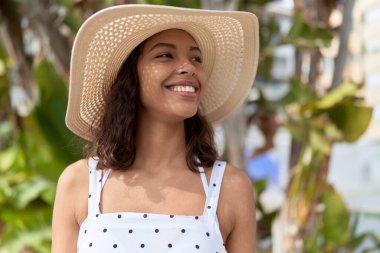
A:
(184, 88)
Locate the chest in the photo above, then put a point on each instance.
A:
(167, 195)
(177, 196)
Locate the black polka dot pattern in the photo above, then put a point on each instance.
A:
(148, 232)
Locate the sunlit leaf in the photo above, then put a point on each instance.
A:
(298, 129)
(48, 194)
(260, 185)
(7, 158)
(351, 118)
(319, 143)
(28, 191)
(30, 238)
(332, 132)
(332, 98)
(335, 219)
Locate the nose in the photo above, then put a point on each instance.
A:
(185, 67)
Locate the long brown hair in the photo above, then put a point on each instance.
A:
(115, 143)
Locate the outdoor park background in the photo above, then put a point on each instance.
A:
(314, 108)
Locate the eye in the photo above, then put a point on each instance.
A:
(165, 55)
(197, 59)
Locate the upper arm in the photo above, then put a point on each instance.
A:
(242, 237)
(65, 225)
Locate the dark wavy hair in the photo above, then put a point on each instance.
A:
(115, 142)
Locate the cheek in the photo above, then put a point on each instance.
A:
(151, 74)
(151, 77)
(146, 75)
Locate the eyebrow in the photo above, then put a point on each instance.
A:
(173, 46)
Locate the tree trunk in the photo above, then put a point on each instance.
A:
(344, 32)
(44, 23)
(235, 131)
(12, 38)
(315, 61)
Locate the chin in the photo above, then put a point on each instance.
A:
(187, 114)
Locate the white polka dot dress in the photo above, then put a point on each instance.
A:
(131, 232)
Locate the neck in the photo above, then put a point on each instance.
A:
(160, 145)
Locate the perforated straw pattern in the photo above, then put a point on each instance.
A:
(228, 41)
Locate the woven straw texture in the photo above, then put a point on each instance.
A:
(228, 40)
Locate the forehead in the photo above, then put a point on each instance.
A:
(171, 35)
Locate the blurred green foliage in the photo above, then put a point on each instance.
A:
(31, 158)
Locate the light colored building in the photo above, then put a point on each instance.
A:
(355, 168)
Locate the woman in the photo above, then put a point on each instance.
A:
(145, 83)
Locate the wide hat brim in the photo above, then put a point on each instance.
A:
(228, 40)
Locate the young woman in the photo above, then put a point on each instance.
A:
(146, 82)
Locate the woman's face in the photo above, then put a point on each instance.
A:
(171, 75)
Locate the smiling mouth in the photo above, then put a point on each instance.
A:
(180, 88)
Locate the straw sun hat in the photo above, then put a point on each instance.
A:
(228, 41)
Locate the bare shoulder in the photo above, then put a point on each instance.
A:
(74, 175)
(238, 198)
(69, 206)
(236, 194)
(72, 188)
(236, 183)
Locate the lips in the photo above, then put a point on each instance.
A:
(189, 87)
(176, 88)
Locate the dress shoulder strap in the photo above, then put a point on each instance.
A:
(214, 188)
(213, 197)
(204, 180)
(96, 183)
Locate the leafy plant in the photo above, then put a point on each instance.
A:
(30, 161)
